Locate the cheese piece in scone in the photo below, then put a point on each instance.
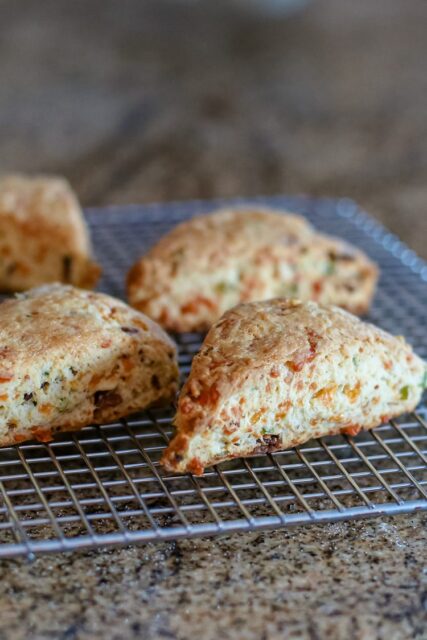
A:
(69, 358)
(271, 375)
(43, 235)
(211, 263)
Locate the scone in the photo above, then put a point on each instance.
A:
(70, 357)
(211, 263)
(43, 235)
(271, 375)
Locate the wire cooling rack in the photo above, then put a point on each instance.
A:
(104, 486)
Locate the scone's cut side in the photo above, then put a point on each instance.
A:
(43, 237)
(70, 358)
(273, 375)
(207, 265)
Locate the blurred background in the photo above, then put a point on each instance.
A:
(138, 100)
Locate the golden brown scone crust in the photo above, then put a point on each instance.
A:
(271, 375)
(44, 236)
(211, 263)
(71, 357)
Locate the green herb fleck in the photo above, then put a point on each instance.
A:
(289, 289)
(424, 380)
(404, 393)
(64, 405)
(223, 287)
(330, 268)
(356, 361)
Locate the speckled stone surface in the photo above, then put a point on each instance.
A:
(352, 581)
(139, 101)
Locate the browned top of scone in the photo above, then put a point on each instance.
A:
(211, 262)
(211, 239)
(240, 228)
(208, 241)
(269, 333)
(54, 319)
(41, 204)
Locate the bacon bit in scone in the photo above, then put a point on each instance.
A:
(317, 288)
(294, 366)
(106, 399)
(106, 343)
(388, 364)
(130, 330)
(195, 467)
(4, 396)
(19, 437)
(194, 305)
(42, 435)
(6, 377)
(267, 444)
(352, 430)
(274, 373)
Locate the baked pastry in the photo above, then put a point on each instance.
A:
(271, 375)
(43, 235)
(211, 263)
(70, 357)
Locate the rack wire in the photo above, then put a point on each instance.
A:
(104, 486)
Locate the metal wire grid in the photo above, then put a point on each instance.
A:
(104, 486)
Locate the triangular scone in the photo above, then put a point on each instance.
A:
(210, 263)
(70, 357)
(43, 237)
(271, 375)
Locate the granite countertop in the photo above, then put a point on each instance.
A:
(146, 101)
(354, 581)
